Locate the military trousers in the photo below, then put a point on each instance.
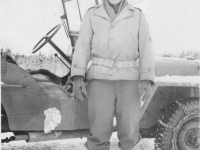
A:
(107, 98)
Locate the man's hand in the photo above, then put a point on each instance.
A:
(146, 88)
(79, 89)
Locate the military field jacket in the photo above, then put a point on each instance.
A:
(127, 38)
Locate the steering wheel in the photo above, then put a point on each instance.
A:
(46, 38)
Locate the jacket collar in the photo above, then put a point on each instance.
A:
(100, 11)
(125, 13)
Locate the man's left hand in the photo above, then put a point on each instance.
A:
(146, 88)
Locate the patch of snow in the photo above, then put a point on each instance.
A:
(70, 144)
(53, 118)
(179, 80)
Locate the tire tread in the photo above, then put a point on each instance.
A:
(172, 116)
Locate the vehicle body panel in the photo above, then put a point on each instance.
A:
(165, 93)
(176, 66)
(25, 106)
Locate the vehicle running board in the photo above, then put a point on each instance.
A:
(41, 136)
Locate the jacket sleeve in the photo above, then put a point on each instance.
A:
(82, 50)
(146, 59)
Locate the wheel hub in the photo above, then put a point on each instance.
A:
(188, 135)
(191, 137)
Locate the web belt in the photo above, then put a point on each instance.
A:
(111, 63)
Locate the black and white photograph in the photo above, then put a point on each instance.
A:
(100, 74)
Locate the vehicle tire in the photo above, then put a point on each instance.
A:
(186, 134)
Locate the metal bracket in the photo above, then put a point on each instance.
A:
(183, 108)
(167, 126)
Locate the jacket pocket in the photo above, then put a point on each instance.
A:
(95, 43)
(132, 45)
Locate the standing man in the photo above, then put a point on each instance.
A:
(113, 36)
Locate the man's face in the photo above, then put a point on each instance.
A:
(114, 1)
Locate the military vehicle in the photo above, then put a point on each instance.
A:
(36, 107)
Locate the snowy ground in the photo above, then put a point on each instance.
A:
(71, 144)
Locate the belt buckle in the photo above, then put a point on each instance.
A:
(111, 64)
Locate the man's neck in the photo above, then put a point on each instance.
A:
(115, 6)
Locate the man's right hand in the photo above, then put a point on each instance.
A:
(79, 88)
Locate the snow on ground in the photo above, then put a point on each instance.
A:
(191, 80)
(69, 144)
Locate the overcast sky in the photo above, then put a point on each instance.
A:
(174, 24)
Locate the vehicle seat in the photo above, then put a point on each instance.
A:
(40, 78)
(49, 88)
